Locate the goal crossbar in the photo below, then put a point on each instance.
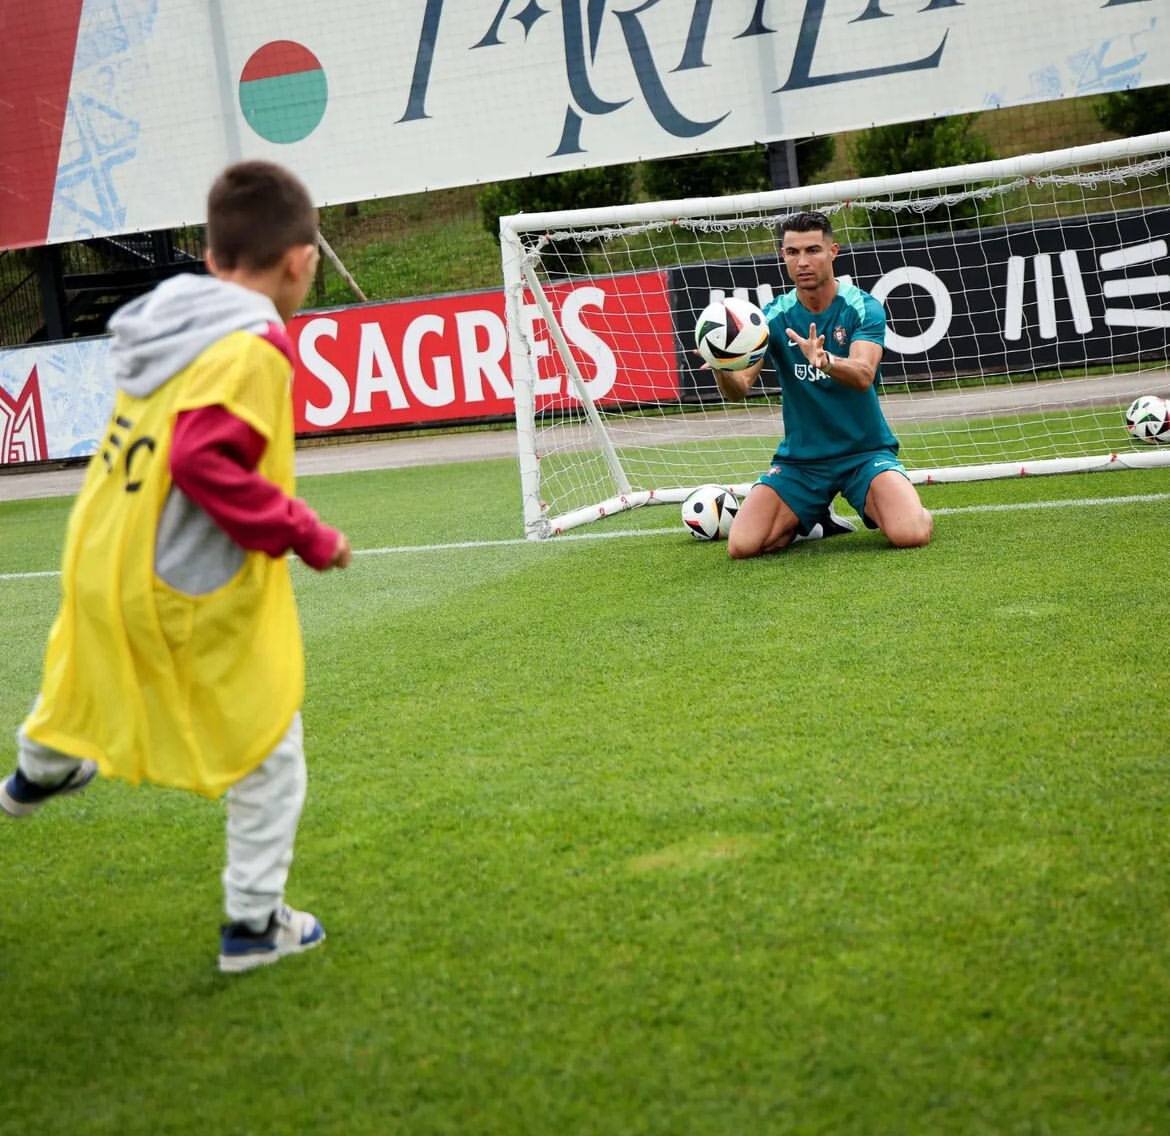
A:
(785, 200)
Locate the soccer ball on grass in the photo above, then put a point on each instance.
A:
(709, 511)
(1148, 419)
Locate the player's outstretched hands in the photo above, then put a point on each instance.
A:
(342, 554)
(812, 348)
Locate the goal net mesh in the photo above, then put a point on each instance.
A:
(1026, 303)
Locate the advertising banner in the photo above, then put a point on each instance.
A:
(55, 400)
(445, 359)
(117, 116)
(1072, 293)
(1075, 292)
(442, 359)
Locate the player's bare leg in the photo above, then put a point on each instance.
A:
(892, 501)
(764, 523)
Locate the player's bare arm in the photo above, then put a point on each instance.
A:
(735, 385)
(857, 371)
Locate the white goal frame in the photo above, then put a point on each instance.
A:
(523, 235)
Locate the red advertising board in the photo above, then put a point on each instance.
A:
(445, 358)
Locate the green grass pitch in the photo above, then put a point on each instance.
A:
(615, 836)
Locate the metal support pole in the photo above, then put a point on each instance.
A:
(342, 271)
(782, 164)
(50, 274)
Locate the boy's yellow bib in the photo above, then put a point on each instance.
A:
(152, 684)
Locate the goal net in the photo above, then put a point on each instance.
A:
(1026, 299)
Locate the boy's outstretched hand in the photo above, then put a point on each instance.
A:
(342, 554)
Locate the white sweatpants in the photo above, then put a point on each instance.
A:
(263, 810)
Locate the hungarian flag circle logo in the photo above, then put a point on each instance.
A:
(283, 91)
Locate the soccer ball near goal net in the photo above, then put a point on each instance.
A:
(708, 512)
(1148, 419)
(1024, 306)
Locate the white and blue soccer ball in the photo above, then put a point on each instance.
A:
(1148, 419)
(731, 334)
(709, 511)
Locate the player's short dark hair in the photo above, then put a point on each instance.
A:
(256, 212)
(810, 221)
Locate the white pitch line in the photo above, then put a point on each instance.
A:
(516, 542)
(1079, 502)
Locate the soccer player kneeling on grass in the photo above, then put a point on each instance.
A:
(825, 341)
(176, 656)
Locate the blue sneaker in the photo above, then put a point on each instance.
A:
(19, 796)
(288, 933)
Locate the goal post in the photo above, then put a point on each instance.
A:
(1027, 300)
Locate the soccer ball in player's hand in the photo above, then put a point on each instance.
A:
(709, 511)
(1148, 419)
(731, 334)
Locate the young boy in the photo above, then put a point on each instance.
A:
(176, 655)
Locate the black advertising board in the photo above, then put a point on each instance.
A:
(1072, 292)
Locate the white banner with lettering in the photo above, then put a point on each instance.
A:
(369, 99)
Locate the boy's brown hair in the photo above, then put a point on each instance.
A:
(256, 212)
